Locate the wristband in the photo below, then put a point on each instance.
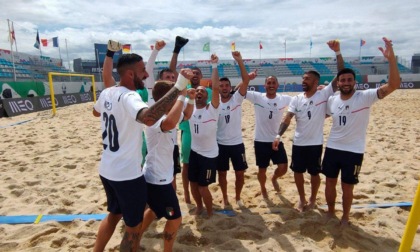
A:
(181, 82)
(191, 101)
(110, 53)
(278, 137)
(181, 98)
(213, 65)
(337, 53)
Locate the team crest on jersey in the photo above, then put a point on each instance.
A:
(347, 107)
(108, 105)
(228, 108)
(199, 117)
(311, 102)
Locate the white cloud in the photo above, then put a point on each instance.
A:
(83, 23)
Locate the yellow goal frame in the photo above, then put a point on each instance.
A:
(50, 75)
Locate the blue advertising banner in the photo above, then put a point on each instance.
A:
(100, 52)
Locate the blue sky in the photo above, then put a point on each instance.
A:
(140, 23)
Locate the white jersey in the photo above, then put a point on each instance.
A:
(149, 82)
(268, 114)
(203, 127)
(350, 120)
(229, 127)
(121, 133)
(310, 116)
(159, 166)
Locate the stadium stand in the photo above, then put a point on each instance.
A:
(36, 68)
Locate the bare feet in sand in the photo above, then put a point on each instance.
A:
(187, 198)
(301, 206)
(345, 223)
(198, 211)
(275, 184)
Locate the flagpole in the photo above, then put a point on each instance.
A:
(285, 48)
(40, 44)
(99, 67)
(360, 50)
(11, 51)
(14, 33)
(68, 59)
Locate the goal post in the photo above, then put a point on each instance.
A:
(50, 80)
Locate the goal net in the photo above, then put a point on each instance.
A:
(66, 86)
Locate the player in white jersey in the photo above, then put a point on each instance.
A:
(309, 108)
(159, 166)
(229, 133)
(204, 149)
(350, 111)
(122, 115)
(269, 108)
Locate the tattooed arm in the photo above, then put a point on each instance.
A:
(283, 127)
(150, 116)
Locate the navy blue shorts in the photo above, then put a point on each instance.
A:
(177, 164)
(163, 201)
(264, 152)
(236, 153)
(127, 198)
(306, 158)
(349, 163)
(202, 170)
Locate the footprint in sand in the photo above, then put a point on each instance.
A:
(190, 239)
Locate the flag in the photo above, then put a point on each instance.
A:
(362, 42)
(232, 46)
(206, 47)
(44, 42)
(152, 47)
(12, 35)
(310, 44)
(261, 47)
(126, 48)
(55, 42)
(37, 43)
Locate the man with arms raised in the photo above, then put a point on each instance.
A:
(309, 109)
(159, 166)
(184, 126)
(350, 111)
(123, 115)
(229, 133)
(204, 149)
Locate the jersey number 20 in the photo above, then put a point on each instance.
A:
(111, 132)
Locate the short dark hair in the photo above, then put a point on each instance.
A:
(127, 60)
(225, 79)
(164, 71)
(161, 88)
(195, 68)
(346, 71)
(314, 73)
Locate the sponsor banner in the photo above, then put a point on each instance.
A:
(18, 106)
(2, 112)
(360, 86)
(403, 85)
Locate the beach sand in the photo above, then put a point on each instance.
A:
(49, 166)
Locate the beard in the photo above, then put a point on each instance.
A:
(346, 92)
(138, 83)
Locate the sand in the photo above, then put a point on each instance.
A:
(49, 166)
